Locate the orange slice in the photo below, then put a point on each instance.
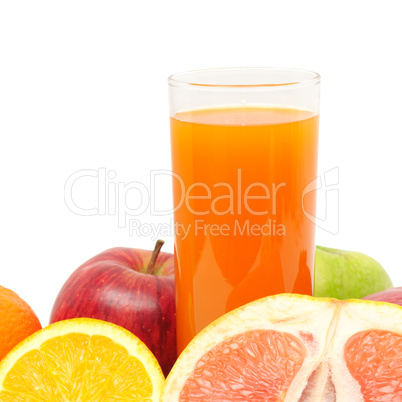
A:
(80, 360)
(294, 348)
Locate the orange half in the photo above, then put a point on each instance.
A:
(80, 360)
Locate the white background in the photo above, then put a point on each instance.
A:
(83, 86)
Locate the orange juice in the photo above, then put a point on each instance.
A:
(240, 228)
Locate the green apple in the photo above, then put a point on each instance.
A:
(347, 274)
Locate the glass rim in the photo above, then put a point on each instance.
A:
(177, 79)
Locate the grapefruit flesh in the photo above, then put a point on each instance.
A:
(374, 359)
(266, 361)
(294, 348)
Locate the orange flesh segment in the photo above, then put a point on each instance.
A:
(77, 367)
(374, 359)
(256, 365)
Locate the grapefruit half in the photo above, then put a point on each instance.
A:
(294, 348)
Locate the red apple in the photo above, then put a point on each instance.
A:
(392, 295)
(129, 287)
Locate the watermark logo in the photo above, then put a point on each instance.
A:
(248, 209)
(326, 217)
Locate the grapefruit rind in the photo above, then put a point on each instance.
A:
(91, 327)
(323, 324)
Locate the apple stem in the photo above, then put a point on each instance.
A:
(154, 256)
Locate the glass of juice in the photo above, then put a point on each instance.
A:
(244, 149)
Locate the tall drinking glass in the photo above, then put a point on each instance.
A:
(244, 148)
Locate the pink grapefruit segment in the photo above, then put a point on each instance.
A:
(254, 366)
(374, 359)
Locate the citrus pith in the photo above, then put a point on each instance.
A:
(294, 348)
(80, 360)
